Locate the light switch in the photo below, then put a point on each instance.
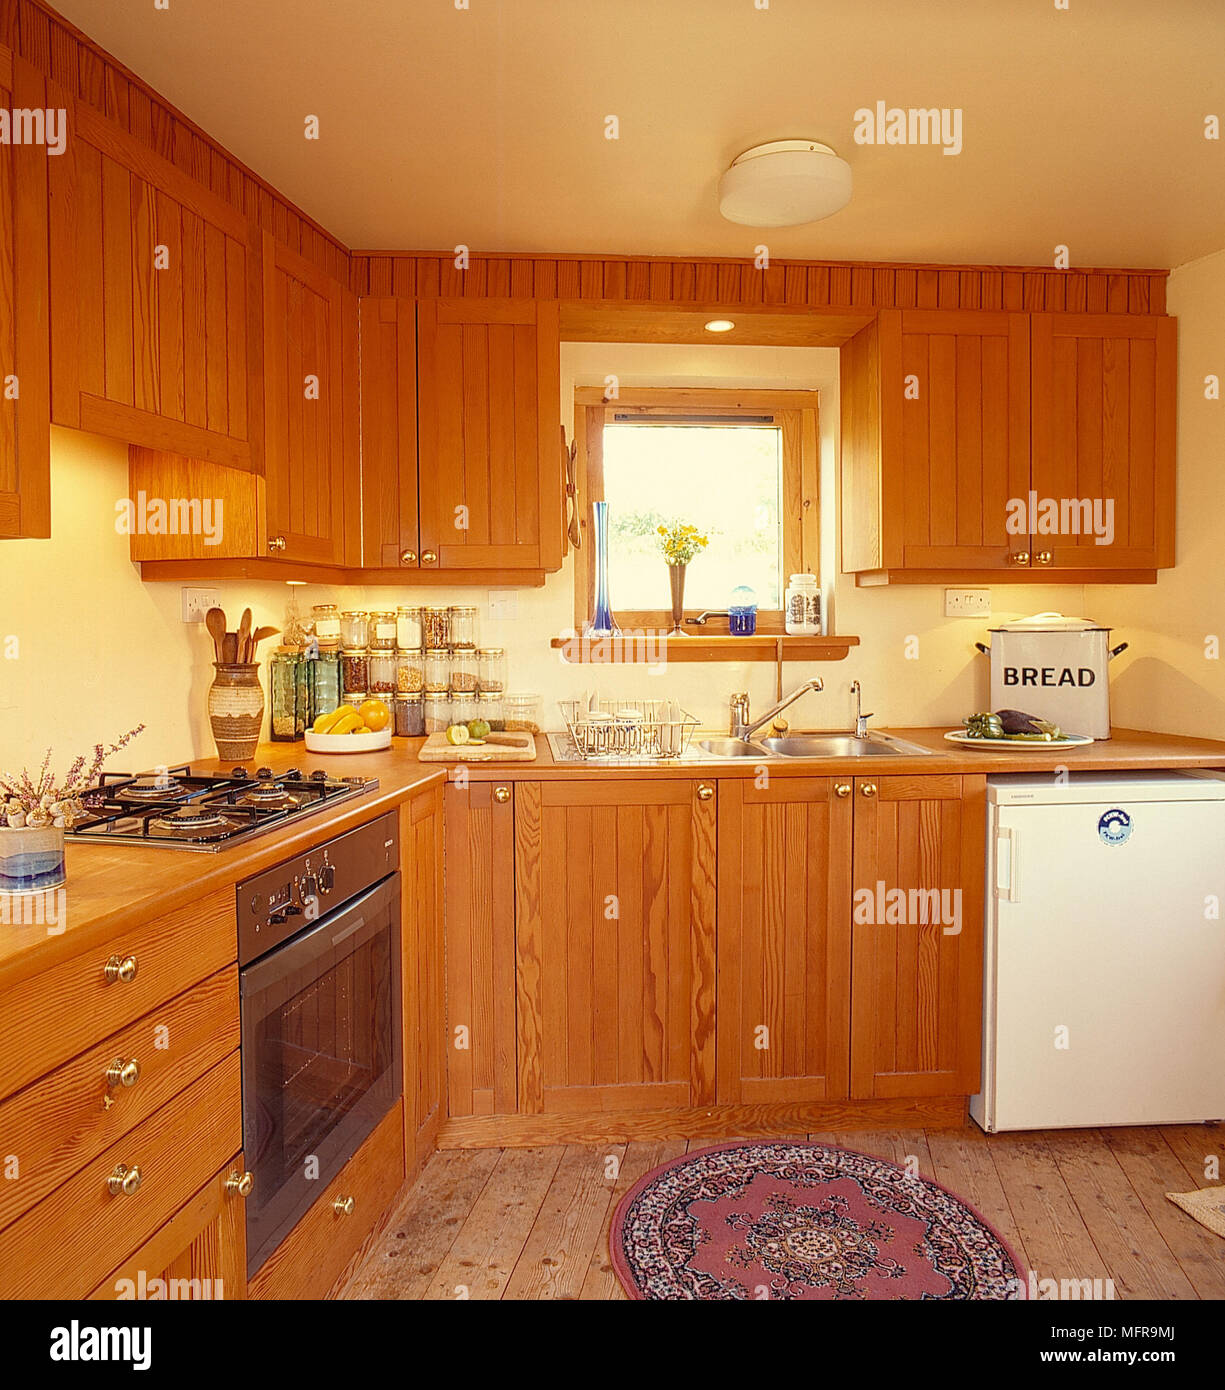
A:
(503, 605)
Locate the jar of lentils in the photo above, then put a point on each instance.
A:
(382, 631)
(410, 673)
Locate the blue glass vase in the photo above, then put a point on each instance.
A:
(602, 623)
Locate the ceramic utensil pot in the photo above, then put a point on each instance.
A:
(236, 709)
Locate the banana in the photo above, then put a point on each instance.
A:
(325, 723)
(350, 722)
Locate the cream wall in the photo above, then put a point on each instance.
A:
(1168, 680)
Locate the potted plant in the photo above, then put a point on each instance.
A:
(679, 544)
(34, 813)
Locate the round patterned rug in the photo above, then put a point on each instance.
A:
(788, 1220)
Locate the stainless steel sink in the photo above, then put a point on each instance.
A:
(840, 746)
(730, 748)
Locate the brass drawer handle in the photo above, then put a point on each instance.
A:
(120, 968)
(121, 1073)
(429, 557)
(343, 1206)
(842, 789)
(868, 789)
(501, 794)
(276, 543)
(705, 792)
(124, 1180)
(239, 1184)
(408, 557)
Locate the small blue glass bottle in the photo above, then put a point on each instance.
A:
(742, 612)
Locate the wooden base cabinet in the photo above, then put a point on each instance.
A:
(615, 944)
(784, 951)
(422, 951)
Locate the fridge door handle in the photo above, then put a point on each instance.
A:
(1006, 864)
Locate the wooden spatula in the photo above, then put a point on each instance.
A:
(244, 635)
(214, 620)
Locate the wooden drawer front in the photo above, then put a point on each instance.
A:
(67, 1244)
(313, 1256)
(55, 1015)
(63, 1120)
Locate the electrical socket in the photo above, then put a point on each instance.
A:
(503, 605)
(967, 603)
(197, 602)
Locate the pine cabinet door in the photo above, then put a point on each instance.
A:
(1103, 438)
(784, 959)
(490, 481)
(390, 535)
(916, 963)
(310, 453)
(25, 458)
(615, 894)
(955, 409)
(422, 952)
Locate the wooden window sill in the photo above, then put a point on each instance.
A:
(650, 647)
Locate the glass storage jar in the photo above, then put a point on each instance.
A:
(355, 670)
(435, 627)
(491, 670)
(522, 713)
(324, 680)
(437, 678)
(463, 626)
(463, 671)
(283, 682)
(410, 715)
(410, 672)
(326, 619)
(408, 628)
(355, 697)
(382, 673)
(463, 709)
(490, 708)
(354, 631)
(437, 714)
(382, 631)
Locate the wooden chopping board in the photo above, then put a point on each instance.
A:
(436, 749)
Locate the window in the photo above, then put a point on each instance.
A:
(741, 466)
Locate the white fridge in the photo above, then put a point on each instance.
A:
(1104, 951)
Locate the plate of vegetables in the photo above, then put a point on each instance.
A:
(1013, 728)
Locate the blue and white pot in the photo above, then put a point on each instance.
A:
(31, 859)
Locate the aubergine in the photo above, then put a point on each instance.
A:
(1016, 721)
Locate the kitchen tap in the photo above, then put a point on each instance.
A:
(744, 728)
(861, 719)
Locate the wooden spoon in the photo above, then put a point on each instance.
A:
(261, 634)
(229, 648)
(244, 634)
(214, 620)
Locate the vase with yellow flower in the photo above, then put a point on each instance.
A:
(679, 544)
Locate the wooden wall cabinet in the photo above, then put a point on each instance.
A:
(151, 279)
(25, 449)
(390, 532)
(615, 945)
(947, 415)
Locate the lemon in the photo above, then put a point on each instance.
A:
(457, 734)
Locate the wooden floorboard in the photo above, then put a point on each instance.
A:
(532, 1224)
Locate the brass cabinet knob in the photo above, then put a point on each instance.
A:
(121, 1073)
(343, 1206)
(408, 557)
(276, 542)
(239, 1184)
(867, 789)
(842, 789)
(429, 557)
(501, 794)
(124, 1180)
(1044, 557)
(1021, 557)
(120, 968)
(705, 792)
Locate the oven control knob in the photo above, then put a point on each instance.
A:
(309, 887)
(276, 919)
(319, 775)
(327, 878)
(292, 910)
(239, 772)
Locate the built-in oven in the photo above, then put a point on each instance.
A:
(319, 981)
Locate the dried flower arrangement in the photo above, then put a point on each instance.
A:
(26, 803)
(680, 542)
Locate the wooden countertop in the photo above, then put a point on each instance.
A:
(110, 888)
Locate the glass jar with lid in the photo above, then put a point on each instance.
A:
(491, 709)
(408, 628)
(435, 627)
(410, 715)
(410, 672)
(463, 709)
(326, 618)
(324, 673)
(382, 631)
(437, 678)
(437, 713)
(463, 626)
(283, 679)
(354, 631)
(382, 673)
(491, 669)
(463, 671)
(802, 606)
(355, 670)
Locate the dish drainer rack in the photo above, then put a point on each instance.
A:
(628, 728)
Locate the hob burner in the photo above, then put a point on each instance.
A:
(194, 817)
(152, 788)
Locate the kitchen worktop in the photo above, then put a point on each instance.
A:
(110, 888)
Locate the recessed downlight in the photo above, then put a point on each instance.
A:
(719, 326)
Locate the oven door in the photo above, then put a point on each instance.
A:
(321, 1057)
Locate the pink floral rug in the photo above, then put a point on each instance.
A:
(787, 1220)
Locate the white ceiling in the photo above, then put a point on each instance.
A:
(485, 126)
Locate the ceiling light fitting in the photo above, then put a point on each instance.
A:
(784, 184)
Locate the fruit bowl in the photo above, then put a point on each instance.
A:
(369, 742)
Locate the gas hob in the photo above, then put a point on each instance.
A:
(176, 808)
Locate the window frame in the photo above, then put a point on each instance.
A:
(795, 412)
